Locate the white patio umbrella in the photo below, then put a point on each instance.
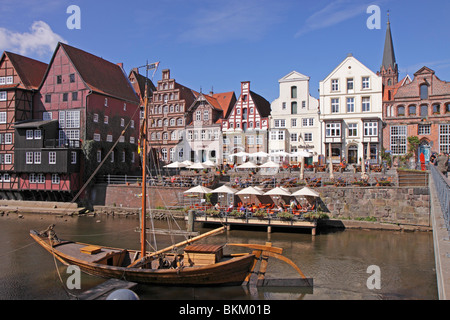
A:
(209, 163)
(247, 165)
(199, 189)
(280, 153)
(198, 165)
(188, 163)
(306, 192)
(270, 164)
(250, 190)
(278, 191)
(239, 154)
(175, 164)
(224, 189)
(259, 154)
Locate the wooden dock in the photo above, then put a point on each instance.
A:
(102, 291)
(255, 222)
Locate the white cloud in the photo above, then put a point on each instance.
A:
(41, 40)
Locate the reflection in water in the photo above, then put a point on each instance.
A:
(337, 261)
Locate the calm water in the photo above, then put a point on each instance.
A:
(337, 261)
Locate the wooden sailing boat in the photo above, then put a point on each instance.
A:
(198, 265)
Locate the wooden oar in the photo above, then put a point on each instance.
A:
(183, 243)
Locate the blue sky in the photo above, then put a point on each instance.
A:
(219, 43)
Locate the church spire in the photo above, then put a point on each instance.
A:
(389, 68)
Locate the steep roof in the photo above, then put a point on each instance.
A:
(261, 104)
(226, 100)
(30, 71)
(100, 76)
(141, 80)
(388, 53)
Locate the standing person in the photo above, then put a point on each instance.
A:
(442, 163)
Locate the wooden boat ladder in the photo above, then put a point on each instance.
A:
(262, 253)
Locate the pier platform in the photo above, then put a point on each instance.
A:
(255, 222)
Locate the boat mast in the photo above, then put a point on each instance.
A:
(144, 167)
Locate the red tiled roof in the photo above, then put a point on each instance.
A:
(30, 71)
(226, 100)
(100, 75)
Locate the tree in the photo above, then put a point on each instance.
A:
(413, 145)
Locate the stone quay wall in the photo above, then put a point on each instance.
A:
(398, 205)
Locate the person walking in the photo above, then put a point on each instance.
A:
(442, 163)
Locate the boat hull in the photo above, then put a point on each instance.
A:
(231, 271)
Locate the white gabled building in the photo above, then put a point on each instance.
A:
(351, 112)
(294, 123)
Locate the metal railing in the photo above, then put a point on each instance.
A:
(443, 193)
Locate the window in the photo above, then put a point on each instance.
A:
(58, 79)
(52, 157)
(74, 96)
(280, 123)
(165, 136)
(444, 138)
(106, 102)
(334, 105)
(179, 121)
(29, 158)
(371, 129)
(37, 158)
(198, 115)
(72, 119)
(65, 96)
(333, 130)
(307, 122)
(294, 92)
(96, 136)
(349, 84)
(72, 77)
(122, 122)
(32, 178)
(164, 154)
(335, 85)
(2, 117)
(55, 178)
(124, 107)
(281, 135)
(132, 139)
(8, 138)
(400, 111)
(109, 138)
(293, 122)
(3, 96)
(46, 115)
(8, 158)
(283, 106)
(423, 92)
(112, 156)
(6, 177)
(206, 115)
(40, 178)
(132, 123)
(37, 134)
(352, 129)
(294, 137)
(412, 110)
(308, 137)
(48, 98)
(73, 157)
(398, 140)
(294, 107)
(95, 118)
(29, 134)
(350, 104)
(259, 140)
(172, 122)
(366, 104)
(424, 111)
(99, 155)
(424, 129)
(250, 140)
(2, 80)
(365, 82)
(436, 108)
(9, 80)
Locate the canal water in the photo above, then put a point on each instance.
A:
(337, 260)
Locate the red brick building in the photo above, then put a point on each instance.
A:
(167, 118)
(92, 102)
(418, 107)
(20, 77)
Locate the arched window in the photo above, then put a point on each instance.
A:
(166, 122)
(172, 122)
(436, 108)
(179, 121)
(400, 111)
(412, 110)
(165, 136)
(423, 110)
(447, 107)
(294, 107)
(293, 92)
(423, 91)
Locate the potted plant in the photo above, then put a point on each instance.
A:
(285, 216)
(260, 214)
